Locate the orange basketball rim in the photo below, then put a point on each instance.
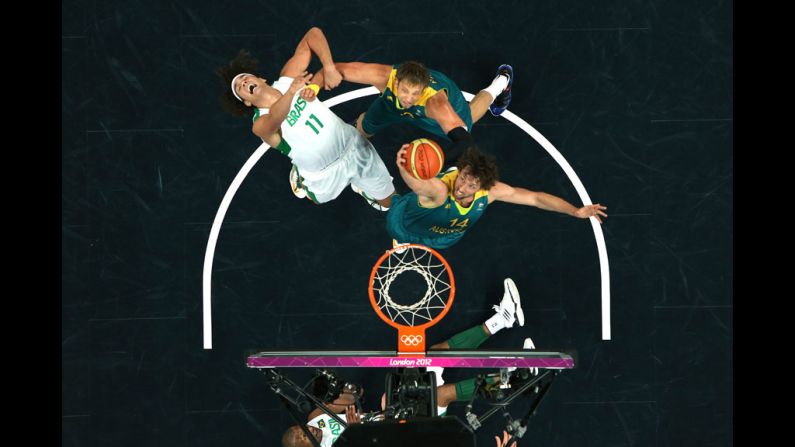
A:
(411, 320)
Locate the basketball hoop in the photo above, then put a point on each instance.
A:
(411, 320)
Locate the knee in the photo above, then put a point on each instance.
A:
(445, 395)
(360, 126)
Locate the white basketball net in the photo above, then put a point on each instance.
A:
(437, 279)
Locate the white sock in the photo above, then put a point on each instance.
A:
(497, 86)
(495, 323)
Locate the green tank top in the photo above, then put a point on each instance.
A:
(448, 220)
(439, 82)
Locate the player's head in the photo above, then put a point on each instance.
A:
(476, 171)
(243, 89)
(411, 79)
(295, 437)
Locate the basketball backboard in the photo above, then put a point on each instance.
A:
(392, 359)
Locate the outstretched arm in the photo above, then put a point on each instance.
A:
(314, 41)
(432, 191)
(376, 75)
(521, 196)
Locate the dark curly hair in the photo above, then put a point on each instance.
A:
(242, 63)
(412, 72)
(481, 166)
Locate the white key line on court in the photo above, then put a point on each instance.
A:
(355, 94)
(209, 254)
(604, 266)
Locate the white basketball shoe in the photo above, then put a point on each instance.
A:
(298, 190)
(510, 307)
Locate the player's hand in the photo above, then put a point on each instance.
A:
(351, 415)
(331, 77)
(299, 82)
(505, 438)
(309, 93)
(401, 156)
(594, 210)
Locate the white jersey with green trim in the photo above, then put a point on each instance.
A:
(316, 136)
(330, 427)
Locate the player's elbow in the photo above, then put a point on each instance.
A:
(531, 198)
(304, 46)
(314, 32)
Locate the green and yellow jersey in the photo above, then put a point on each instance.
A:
(386, 110)
(438, 227)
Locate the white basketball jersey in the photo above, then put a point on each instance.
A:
(330, 427)
(315, 134)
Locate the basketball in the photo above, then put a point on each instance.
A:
(424, 158)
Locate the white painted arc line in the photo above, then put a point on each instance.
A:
(209, 254)
(355, 94)
(604, 265)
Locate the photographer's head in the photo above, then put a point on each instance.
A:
(295, 437)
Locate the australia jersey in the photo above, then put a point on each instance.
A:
(315, 136)
(438, 227)
(416, 114)
(330, 427)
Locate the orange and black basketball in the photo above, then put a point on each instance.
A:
(424, 158)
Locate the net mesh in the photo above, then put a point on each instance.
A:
(437, 279)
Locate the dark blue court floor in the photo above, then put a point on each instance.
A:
(636, 95)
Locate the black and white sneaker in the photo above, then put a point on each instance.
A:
(510, 307)
(503, 100)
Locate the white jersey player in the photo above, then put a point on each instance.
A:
(327, 153)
